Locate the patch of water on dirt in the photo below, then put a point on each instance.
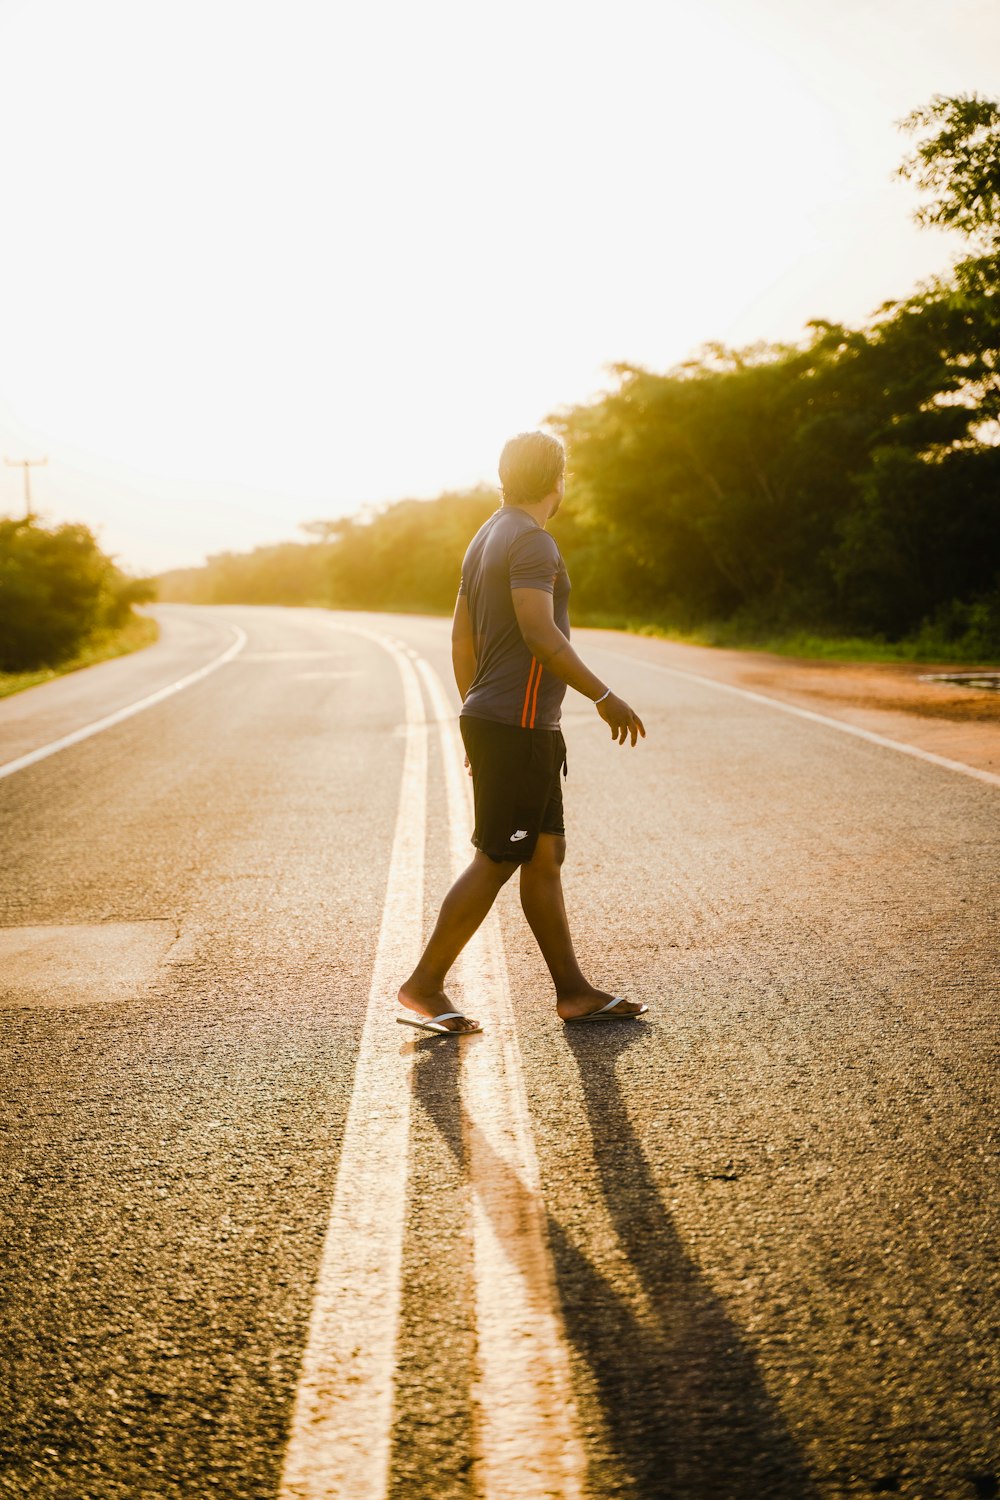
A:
(989, 680)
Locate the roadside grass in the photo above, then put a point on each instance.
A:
(139, 631)
(928, 646)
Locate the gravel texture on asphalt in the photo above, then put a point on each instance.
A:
(771, 1206)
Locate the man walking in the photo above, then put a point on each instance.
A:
(513, 662)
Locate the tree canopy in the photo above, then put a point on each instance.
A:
(57, 588)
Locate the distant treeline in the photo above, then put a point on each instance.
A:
(406, 558)
(58, 591)
(849, 483)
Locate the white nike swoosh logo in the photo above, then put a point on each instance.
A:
(522, 833)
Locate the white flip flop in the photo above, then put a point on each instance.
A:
(606, 1013)
(432, 1023)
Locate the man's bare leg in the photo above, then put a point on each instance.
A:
(544, 906)
(462, 912)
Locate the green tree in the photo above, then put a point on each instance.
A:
(847, 481)
(924, 541)
(958, 163)
(717, 490)
(408, 556)
(57, 588)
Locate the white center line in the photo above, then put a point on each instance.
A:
(808, 713)
(339, 1443)
(526, 1435)
(126, 713)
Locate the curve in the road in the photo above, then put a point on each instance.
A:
(109, 720)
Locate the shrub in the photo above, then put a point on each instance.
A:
(57, 588)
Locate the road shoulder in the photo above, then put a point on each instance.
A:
(885, 698)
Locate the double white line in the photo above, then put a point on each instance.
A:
(525, 1438)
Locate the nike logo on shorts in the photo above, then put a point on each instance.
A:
(522, 833)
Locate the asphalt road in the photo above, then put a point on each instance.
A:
(747, 1248)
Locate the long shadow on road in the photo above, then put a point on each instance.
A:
(685, 1412)
(685, 1408)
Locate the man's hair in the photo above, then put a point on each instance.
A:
(531, 465)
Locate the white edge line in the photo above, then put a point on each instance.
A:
(807, 713)
(77, 735)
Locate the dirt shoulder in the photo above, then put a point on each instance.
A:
(887, 698)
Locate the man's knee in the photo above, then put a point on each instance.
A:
(550, 851)
(498, 870)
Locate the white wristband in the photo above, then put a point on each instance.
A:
(602, 697)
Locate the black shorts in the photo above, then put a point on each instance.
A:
(515, 781)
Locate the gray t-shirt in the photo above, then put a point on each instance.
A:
(511, 551)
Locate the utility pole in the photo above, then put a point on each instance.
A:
(27, 464)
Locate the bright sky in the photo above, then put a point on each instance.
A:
(266, 261)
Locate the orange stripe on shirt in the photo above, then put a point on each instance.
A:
(527, 694)
(534, 698)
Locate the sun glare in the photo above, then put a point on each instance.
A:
(270, 263)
